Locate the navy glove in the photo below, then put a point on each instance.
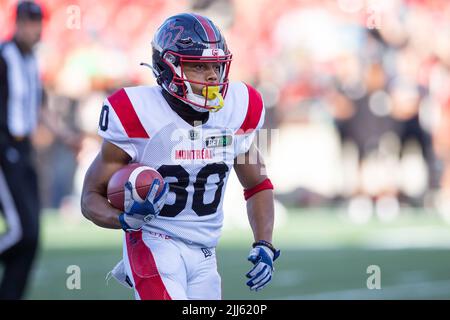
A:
(262, 256)
(139, 213)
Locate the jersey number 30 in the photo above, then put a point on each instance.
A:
(181, 194)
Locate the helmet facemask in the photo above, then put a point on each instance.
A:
(212, 93)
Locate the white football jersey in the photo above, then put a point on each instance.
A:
(195, 160)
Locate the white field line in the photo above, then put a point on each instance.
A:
(419, 290)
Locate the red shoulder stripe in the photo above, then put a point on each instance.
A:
(127, 115)
(254, 111)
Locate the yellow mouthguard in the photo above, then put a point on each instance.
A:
(213, 93)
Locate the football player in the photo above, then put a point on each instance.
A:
(194, 127)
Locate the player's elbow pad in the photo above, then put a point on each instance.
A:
(264, 185)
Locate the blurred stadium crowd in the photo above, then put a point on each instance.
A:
(359, 91)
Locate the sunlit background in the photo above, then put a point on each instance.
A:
(358, 103)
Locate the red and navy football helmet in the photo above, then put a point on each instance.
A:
(190, 38)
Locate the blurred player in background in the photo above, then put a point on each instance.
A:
(193, 128)
(21, 97)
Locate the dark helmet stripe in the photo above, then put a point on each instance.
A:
(209, 29)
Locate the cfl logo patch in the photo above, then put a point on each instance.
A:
(207, 252)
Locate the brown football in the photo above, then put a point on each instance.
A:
(141, 178)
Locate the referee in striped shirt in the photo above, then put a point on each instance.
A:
(20, 101)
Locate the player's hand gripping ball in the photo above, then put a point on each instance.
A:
(139, 191)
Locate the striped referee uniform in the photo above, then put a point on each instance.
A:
(20, 99)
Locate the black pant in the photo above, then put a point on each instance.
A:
(20, 209)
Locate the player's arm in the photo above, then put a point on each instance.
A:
(94, 203)
(260, 208)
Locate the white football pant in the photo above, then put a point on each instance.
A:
(162, 268)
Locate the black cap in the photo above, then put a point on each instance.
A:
(28, 10)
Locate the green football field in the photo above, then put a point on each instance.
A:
(324, 256)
